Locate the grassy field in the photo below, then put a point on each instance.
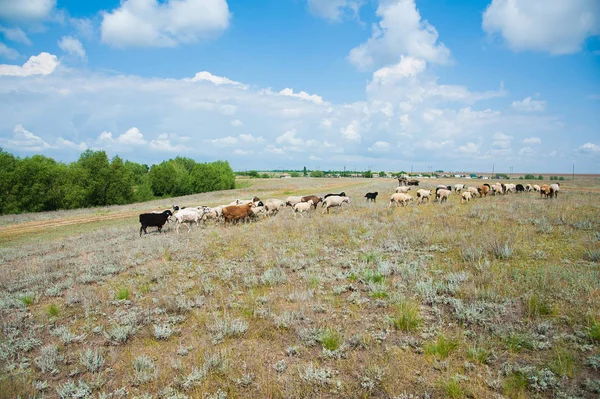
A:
(496, 298)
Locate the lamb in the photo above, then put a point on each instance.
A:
(188, 216)
(293, 200)
(273, 206)
(466, 197)
(442, 194)
(400, 199)
(459, 187)
(342, 194)
(315, 199)
(211, 213)
(334, 201)
(483, 190)
(302, 207)
(371, 196)
(423, 195)
(403, 189)
(234, 213)
(257, 211)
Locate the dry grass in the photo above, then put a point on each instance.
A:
(498, 296)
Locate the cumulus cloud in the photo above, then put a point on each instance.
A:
(169, 143)
(532, 140)
(26, 10)
(589, 148)
(303, 95)
(72, 46)
(526, 152)
(289, 138)
(217, 80)
(334, 10)
(554, 26)
(24, 140)
(15, 35)
(150, 23)
(501, 141)
(380, 146)
(42, 64)
(131, 138)
(237, 123)
(401, 31)
(529, 105)
(224, 141)
(469, 148)
(351, 131)
(8, 52)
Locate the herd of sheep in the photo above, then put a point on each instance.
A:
(244, 210)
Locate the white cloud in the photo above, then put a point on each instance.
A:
(303, 95)
(169, 143)
(380, 146)
(554, 26)
(224, 141)
(24, 140)
(406, 68)
(432, 145)
(217, 80)
(236, 123)
(589, 148)
(501, 141)
(15, 35)
(529, 105)
(315, 158)
(289, 138)
(274, 150)
(532, 140)
(469, 148)
(132, 136)
(401, 31)
(42, 64)
(526, 152)
(250, 139)
(242, 152)
(72, 46)
(149, 23)
(334, 10)
(8, 52)
(351, 131)
(63, 143)
(26, 10)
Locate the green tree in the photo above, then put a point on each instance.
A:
(304, 173)
(540, 177)
(382, 174)
(368, 174)
(317, 173)
(294, 174)
(96, 170)
(119, 189)
(8, 200)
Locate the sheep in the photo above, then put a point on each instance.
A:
(257, 211)
(466, 197)
(497, 188)
(334, 201)
(528, 188)
(254, 201)
(153, 220)
(520, 188)
(211, 213)
(293, 200)
(459, 187)
(371, 196)
(423, 195)
(554, 189)
(315, 199)
(400, 199)
(545, 191)
(509, 188)
(403, 189)
(302, 207)
(473, 191)
(449, 188)
(442, 195)
(483, 190)
(188, 216)
(342, 194)
(273, 206)
(236, 212)
(536, 187)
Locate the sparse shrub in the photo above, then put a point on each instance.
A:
(66, 336)
(442, 347)
(119, 333)
(144, 370)
(536, 306)
(91, 359)
(53, 310)
(592, 385)
(515, 386)
(70, 390)
(194, 378)
(218, 361)
(452, 388)
(594, 329)
(280, 366)
(162, 331)
(48, 358)
(594, 362)
(316, 375)
(584, 225)
(407, 317)
(563, 362)
(501, 249)
(122, 294)
(273, 276)
(371, 378)
(222, 328)
(378, 290)
(144, 288)
(220, 394)
(330, 339)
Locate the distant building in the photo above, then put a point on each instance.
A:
(285, 176)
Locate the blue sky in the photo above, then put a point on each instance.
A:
(381, 84)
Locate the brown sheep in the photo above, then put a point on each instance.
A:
(483, 190)
(236, 212)
(545, 191)
(315, 199)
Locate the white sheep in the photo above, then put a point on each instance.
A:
(403, 189)
(509, 187)
(334, 201)
(273, 206)
(473, 191)
(442, 195)
(187, 216)
(536, 188)
(528, 188)
(459, 187)
(211, 213)
(497, 188)
(400, 199)
(466, 197)
(293, 200)
(302, 207)
(554, 189)
(423, 195)
(257, 211)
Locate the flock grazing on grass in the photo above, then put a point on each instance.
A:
(252, 209)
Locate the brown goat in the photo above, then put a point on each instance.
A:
(315, 199)
(483, 190)
(236, 212)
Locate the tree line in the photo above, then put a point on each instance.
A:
(39, 183)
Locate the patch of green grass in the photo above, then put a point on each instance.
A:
(452, 388)
(53, 310)
(144, 288)
(594, 329)
(563, 362)
(593, 255)
(515, 386)
(516, 342)
(243, 183)
(379, 292)
(27, 299)
(370, 257)
(478, 354)
(330, 339)
(442, 347)
(353, 277)
(122, 294)
(536, 306)
(372, 276)
(407, 317)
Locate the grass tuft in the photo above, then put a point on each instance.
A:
(122, 294)
(330, 339)
(53, 310)
(442, 347)
(407, 317)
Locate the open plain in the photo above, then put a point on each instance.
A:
(498, 297)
